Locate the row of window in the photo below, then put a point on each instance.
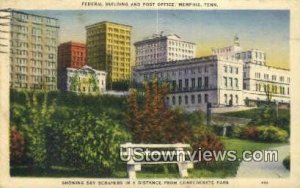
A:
(179, 72)
(36, 79)
(176, 50)
(231, 82)
(200, 82)
(36, 63)
(274, 77)
(231, 69)
(270, 88)
(34, 18)
(251, 55)
(187, 99)
(180, 44)
(229, 100)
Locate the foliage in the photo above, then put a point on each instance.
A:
(250, 133)
(32, 119)
(271, 134)
(17, 146)
(93, 142)
(122, 85)
(204, 138)
(265, 115)
(287, 162)
(235, 131)
(152, 121)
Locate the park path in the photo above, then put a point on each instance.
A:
(266, 169)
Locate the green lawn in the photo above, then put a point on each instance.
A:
(216, 170)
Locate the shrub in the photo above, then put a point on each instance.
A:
(32, 119)
(271, 134)
(236, 131)
(287, 162)
(92, 143)
(250, 133)
(206, 140)
(17, 146)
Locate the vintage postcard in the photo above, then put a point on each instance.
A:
(149, 93)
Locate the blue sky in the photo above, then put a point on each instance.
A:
(267, 30)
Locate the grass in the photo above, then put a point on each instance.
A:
(219, 169)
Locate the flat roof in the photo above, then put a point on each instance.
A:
(72, 43)
(107, 22)
(162, 37)
(22, 12)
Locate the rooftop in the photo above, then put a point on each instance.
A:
(106, 22)
(161, 36)
(22, 12)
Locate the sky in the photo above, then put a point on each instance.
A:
(266, 30)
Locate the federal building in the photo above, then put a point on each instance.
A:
(32, 52)
(230, 76)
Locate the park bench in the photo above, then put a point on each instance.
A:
(133, 166)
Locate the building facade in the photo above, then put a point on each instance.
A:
(33, 50)
(230, 77)
(259, 79)
(163, 48)
(196, 82)
(70, 55)
(109, 49)
(86, 80)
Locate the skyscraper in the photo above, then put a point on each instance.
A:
(163, 48)
(33, 50)
(108, 49)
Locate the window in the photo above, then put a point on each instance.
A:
(237, 70)
(206, 82)
(193, 99)
(179, 100)
(180, 84)
(199, 82)
(236, 83)
(205, 69)
(173, 100)
(186, 99)
(225, 98)
(236, 99)
(225, 68)
(225, 81)
(206, 98)
(193, 82)
(186, 83)
(230, 82)
(199, 98)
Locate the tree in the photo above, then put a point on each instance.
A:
(153, 122)
(38, 117)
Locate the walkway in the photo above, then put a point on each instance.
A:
(266, 169)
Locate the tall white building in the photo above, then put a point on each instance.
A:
(259, 79)
(195, 82)
(33, 50)
(163, 48)
(230, 77)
